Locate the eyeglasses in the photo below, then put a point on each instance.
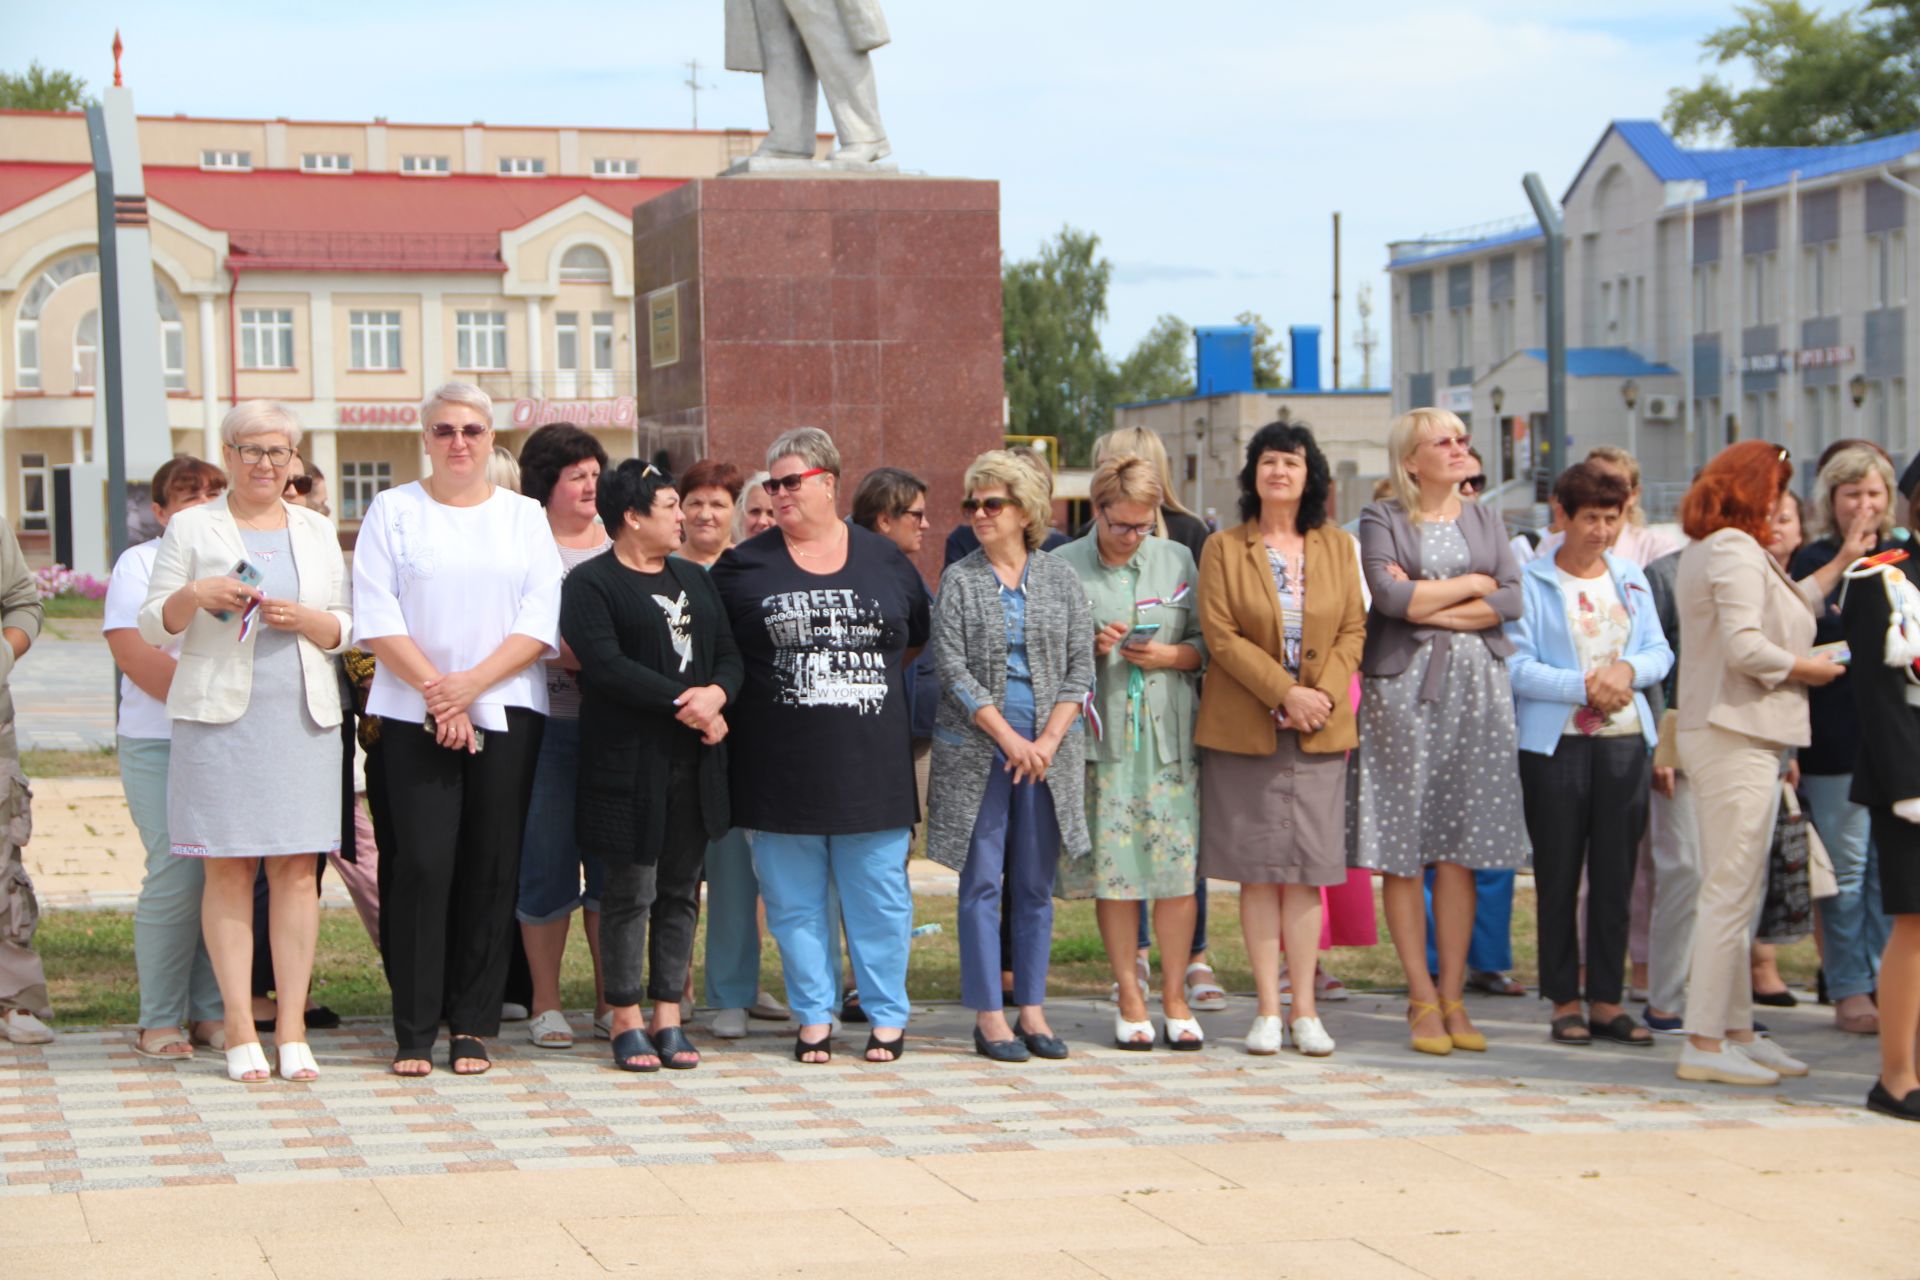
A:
(447, 431)
(1127, 530)
(302, 485)
(992, 506)
(774, 484)
(253, 455)
(1474, 484)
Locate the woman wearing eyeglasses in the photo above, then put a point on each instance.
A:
(1143, 799)
(825, 614)
(254, 590)
(1436, 778)
(458, 586)
(1013, 643)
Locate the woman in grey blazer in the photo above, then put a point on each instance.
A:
(1013, 643)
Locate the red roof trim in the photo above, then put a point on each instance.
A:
(414, 124)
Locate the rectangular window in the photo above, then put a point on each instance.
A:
(522, 166)
(1462, 318)
(34, 480)
(326, 162)
(1887, 268)
(373, 340)
(426, 164)
(226, 161)
(27, 366)
(1757, 288)
(566, 351)
(1820, 280)
(602, 353)
(1502, 330)
(266, 338)
(1422, 344)
(480, 339)
(173, 354)
(359, 483)
(1706, 298)
(612, 167)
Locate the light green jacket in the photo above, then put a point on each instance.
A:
(1158, 570)
(19, 607)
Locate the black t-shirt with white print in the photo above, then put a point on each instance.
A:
(820, 742)
(669, 598)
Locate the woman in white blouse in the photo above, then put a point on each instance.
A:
(457, 587)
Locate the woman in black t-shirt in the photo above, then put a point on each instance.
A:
(825, 615)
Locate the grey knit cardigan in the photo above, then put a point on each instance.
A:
(970, 652)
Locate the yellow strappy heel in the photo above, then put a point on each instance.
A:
(1471, 1041)
(1440, 1046)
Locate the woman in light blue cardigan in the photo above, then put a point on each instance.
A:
(1587, 642)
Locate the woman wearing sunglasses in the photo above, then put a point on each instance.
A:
(1013, 643)
(825, 614)
(457, 583)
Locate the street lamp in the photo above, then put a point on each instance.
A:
(1857, 389)
(1498, 397)
(1630, 394)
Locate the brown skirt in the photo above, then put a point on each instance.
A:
(1278, 819)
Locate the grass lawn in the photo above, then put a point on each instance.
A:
(75, 607)
(101, 762)
(89, 960)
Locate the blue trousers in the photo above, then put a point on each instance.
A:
(798, 877)
(1016, 837)
(1491, 949)
(1852, 924)
(733, 926)
(176, 976)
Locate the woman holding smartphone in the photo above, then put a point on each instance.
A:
(254, 590)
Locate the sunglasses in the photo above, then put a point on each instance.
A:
(447, 431)
(774, 484)
(1474, 484)
(302, 485)
(992, 506)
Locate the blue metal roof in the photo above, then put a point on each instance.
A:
(1759, 167)
(1605, 362)
(1520, 235)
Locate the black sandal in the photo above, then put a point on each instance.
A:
(803, 1046)
(1564, 1026)
(850, 1008)
(671, 1042)
(635, 1044)
(413, 1055)
(1620, 1030)
(896, 1046)
(472, 1047)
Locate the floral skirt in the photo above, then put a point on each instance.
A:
(1144, 818)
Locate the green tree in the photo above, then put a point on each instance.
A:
(1267, 352)
(42, 90)
(1057, 377)
(1817, 79)
(1160, 366)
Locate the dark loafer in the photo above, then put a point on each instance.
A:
(1564, 1027)
(1781, 999)
(999, 1050)
(1881, 1100)
(671, 1042)
(634, 1044)
(1041, 1046)
(1621, 1030)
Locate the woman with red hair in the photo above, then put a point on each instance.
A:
(1746, 630)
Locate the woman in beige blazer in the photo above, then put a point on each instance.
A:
(254, 591)
(1745, 634)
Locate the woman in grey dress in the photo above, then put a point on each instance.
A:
(254, 589)
(1436, 779)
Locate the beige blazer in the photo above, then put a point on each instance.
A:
(1743, 621)
(215, 677)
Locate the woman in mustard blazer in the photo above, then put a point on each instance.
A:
(254, 589)
(1284, 621)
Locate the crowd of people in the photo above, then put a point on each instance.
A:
(589, 687)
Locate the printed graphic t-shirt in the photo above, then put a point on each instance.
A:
(820, 741)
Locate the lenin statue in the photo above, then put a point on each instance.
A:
(800, 46)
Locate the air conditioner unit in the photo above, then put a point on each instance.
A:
(1661, 409)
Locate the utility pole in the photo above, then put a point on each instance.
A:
(1336, 299)
(1549, 215)
(694, 87)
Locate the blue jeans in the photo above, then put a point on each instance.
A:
(176, 977)
(550, 858)
(733, 926)
(1491, 948)
(1015, 835)
(1851, 923)
(798, 876)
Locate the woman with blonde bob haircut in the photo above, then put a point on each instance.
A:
(1143, 804)
(1174, 520)
(1013, 643)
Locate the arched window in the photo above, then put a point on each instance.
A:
(584, 264)
(86, 351)
(173, 339)
(173, 332)
(27, 328)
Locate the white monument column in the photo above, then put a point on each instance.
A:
(534, 389)
(210, 338)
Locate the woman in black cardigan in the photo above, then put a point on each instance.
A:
(657, 666)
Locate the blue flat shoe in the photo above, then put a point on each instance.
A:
(635, 1044)
(999, 1050)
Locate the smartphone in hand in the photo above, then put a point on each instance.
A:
(1141, 633)
(248, 574)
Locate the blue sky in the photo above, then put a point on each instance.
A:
(1206, 143)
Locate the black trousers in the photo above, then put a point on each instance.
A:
(663, 893)
(1586, 807)
(448, 885)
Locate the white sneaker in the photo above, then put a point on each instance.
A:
(730, 1024)
(1310, 1038)
(1724, 1066)
(24, 1028)
(1263, 1037)
(1771, 1056)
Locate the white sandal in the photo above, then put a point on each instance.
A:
(1311, 1038)
(1178, 1029)
(550, 1030)
(1263, 1037)
(1124, 1033)
(249, 1059)
(296, 1056)
(1207, 996)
